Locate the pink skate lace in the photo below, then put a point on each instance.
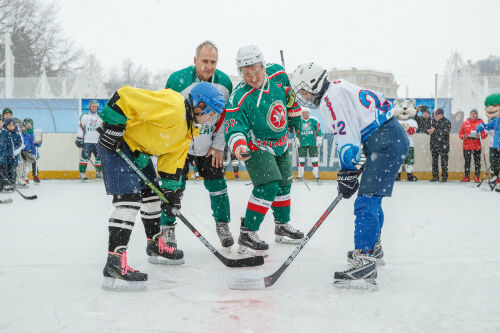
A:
(162, 247)
(123, 262)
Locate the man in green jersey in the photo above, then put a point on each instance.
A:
(308, 141)
(258, 115)
(206, 149)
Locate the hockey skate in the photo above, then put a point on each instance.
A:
(36, 179)
(285, 233)
(250, 243)
(378, 254)
(98, 174)
(8, 188)
(118, 275)
(160, 253)
(83, 176)
(411, 177)
(225, 236)
(361, 274)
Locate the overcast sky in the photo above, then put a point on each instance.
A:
(411, 39)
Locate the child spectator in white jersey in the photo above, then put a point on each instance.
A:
(87, 138)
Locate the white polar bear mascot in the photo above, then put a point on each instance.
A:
(404, 111)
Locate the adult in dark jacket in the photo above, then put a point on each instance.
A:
(440, 144)
(423, 121)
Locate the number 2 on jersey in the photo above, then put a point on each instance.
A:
(363, 98)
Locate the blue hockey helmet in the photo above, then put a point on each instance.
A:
(207, 97)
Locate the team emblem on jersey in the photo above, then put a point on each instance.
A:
(276, 116)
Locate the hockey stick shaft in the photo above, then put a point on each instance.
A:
(271, 279)
(242, 262)
(27, 197)
(486, 173)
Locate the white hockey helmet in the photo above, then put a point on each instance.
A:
(249, 55)
(308, 83)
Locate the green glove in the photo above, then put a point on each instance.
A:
(142, 160)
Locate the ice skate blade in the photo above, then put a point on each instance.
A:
(378, 262)
(287, 240)
(227, 249)
(246, 251)
(159, 260)
(241, 282)
(227, 243)
(362, 284)
(112, 284)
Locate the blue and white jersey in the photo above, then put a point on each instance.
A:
(353, 114)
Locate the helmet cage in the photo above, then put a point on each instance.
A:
(307, 96)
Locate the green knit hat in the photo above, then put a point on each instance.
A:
(493, 99)
(6, 110)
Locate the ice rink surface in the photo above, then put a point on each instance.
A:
(440, 243)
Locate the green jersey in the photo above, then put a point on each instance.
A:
(309, 132)
(211, 133)
(260, 119)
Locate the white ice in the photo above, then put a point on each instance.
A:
(440, 243)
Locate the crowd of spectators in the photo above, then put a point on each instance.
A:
(439, 129)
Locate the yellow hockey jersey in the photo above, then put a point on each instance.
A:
(155, 125)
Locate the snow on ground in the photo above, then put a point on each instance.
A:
(439, 241)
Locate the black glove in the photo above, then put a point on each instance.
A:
(28, 156)
(111, 136)
(347, 182)
(79, 142)
(173, 206)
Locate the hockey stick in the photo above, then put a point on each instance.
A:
(242, 283)
(495, 184)
(295, 141)
(294, 137)
(487, 173)
(27, 197)
(241, 262)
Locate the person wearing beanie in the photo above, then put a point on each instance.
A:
(10, 146)
(492, 105)
(30, 152)
(471, 145)
(424, 120)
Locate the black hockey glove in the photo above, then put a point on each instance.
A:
(79, 142)
(347, 182)
(174, 202)
(111, 136)
(28, 156)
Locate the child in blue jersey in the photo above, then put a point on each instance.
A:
(10, 146)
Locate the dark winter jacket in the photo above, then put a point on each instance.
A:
(471, 143)
(10, 145)
(440, 138)
(423, 124)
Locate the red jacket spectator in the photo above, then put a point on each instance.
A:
(471, 141)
